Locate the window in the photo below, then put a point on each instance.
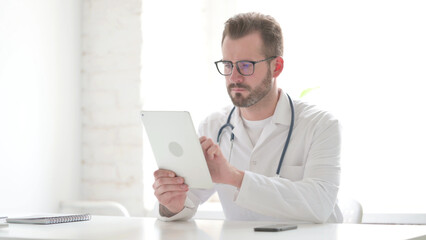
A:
(364, 60)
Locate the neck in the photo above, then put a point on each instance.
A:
(262, 109)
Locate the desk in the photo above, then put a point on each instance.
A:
(123, 228)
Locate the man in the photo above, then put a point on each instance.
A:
(245, 161)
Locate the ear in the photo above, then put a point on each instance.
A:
(279, 66)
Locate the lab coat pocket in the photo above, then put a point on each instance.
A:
(293, 173)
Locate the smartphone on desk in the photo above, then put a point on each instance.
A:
(275, 228)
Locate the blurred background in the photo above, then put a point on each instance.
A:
(74, 75)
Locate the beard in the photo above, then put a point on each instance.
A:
(254, 96)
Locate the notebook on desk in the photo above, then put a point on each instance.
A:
(3, 223)
(50, 219)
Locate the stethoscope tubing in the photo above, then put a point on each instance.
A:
(287, 142)
(227, 124)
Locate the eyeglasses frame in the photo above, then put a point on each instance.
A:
(238, 68)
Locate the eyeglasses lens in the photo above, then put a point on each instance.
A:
(226, 68)
(244, 68)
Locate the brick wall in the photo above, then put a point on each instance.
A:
(112, 130)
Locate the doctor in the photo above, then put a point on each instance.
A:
(272, 158)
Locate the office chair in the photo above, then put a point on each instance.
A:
(351, 210)
(106, 208)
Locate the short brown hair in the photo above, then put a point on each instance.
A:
(243, 24)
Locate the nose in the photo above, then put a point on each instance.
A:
(235, 76)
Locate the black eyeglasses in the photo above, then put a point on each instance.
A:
(245, 68)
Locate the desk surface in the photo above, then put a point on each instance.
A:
(101, 227)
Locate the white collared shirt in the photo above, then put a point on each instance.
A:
(308, 182)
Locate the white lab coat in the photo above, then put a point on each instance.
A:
(307, 187)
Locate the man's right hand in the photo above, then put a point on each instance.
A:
(170, 191)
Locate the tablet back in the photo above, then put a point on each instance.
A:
(176, 146)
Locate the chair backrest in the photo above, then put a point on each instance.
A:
(106, 208)
(351, 210)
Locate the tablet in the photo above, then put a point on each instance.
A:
(176, 146)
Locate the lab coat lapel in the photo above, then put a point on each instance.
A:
(280, 120)
(267, 132)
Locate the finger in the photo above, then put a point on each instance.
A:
(212, 150)
(170, 188)
(163, 173)
(202, 139)
(206, 143)
(167, 181)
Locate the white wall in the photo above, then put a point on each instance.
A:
(112, 128)
(39, 104)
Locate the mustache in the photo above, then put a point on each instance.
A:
(238, 85)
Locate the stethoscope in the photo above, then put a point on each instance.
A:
(228, 124)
